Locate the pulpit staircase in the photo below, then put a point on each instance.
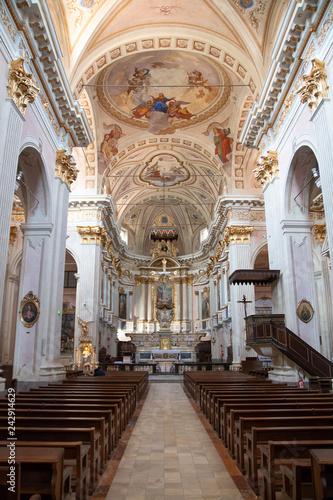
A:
(262, 330)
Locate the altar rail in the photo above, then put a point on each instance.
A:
(177, 368)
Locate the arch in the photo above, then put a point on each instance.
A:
(34, 184)
(300, 181)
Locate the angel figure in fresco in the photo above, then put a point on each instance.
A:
(222, 143)
(176, 111)
(140, 79)
(196, 79)
(143, 109)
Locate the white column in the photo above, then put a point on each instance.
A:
(298, 277)
(57, 268)
(149, 302)
(190, 298)
(87, 308)
(32, 343)
(239, 258)
(11, 131)
(185, 300)
(9, 320)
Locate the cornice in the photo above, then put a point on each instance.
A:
(294, 35)
(37, 26)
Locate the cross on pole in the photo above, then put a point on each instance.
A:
(244, 301)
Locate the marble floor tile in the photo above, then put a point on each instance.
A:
(171, 452)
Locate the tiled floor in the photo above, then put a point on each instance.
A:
(170, 455)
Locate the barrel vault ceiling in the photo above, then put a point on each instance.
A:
(166, 88)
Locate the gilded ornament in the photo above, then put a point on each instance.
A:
(237, 234)
(12, 235)
(320, 232)
(93, 235)
(65, 167)
(22, 86)
(314, 87)
(267, 169)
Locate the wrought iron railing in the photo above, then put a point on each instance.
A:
(263, 329)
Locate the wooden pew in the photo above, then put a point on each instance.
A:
(64, 422)
(215, 399)
(233, 428)
(245, 424)
(80, 401)
(87, 436)
(276, 454)
(297, 481)
(75, 455)
(84, 395)
(42, 470)
(5, 493)
(322, 473)
(73, 409)
(261, 435)
(109, 429)
(226, 405)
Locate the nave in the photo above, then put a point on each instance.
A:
(172, 453)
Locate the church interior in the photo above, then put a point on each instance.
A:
(166, 204)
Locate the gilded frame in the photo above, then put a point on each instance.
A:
(304, 311)
(153, 297)
(29, 309)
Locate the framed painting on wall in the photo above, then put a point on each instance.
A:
(123, 306)
(205, 305)
(305, 311)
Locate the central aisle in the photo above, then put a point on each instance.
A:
(170, 455)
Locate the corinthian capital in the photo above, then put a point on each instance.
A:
(65, 167)
(314, 87)
(21, 86)
(268, 168)
(237, 234)
(95, 235)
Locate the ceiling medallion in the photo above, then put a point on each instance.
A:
(137, 90)
(246, 3)
(164, 170)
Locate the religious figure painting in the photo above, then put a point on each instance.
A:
(29, 310)
(123, 306)
(109, 145)
(305, 311)
(133, 91)
(164, 293)
(164, 170)
(205, 305)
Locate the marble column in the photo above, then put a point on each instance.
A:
(12, 118)
(88, 287)
(240, 258)
(32, 343)
(9, 320)
(65, 173)
(185, 300)
(299, 281)
(322, 119)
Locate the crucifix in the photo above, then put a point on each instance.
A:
(244, 301)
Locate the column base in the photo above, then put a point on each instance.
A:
(52, 372)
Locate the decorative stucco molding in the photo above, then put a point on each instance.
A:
(12, 235)
(314, 87)
(319, 232)
(267, 169)
(238, 234)
(95, 235)
(65, 167)
(22, 86)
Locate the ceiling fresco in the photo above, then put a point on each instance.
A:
(166, 88)
(135, 92)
